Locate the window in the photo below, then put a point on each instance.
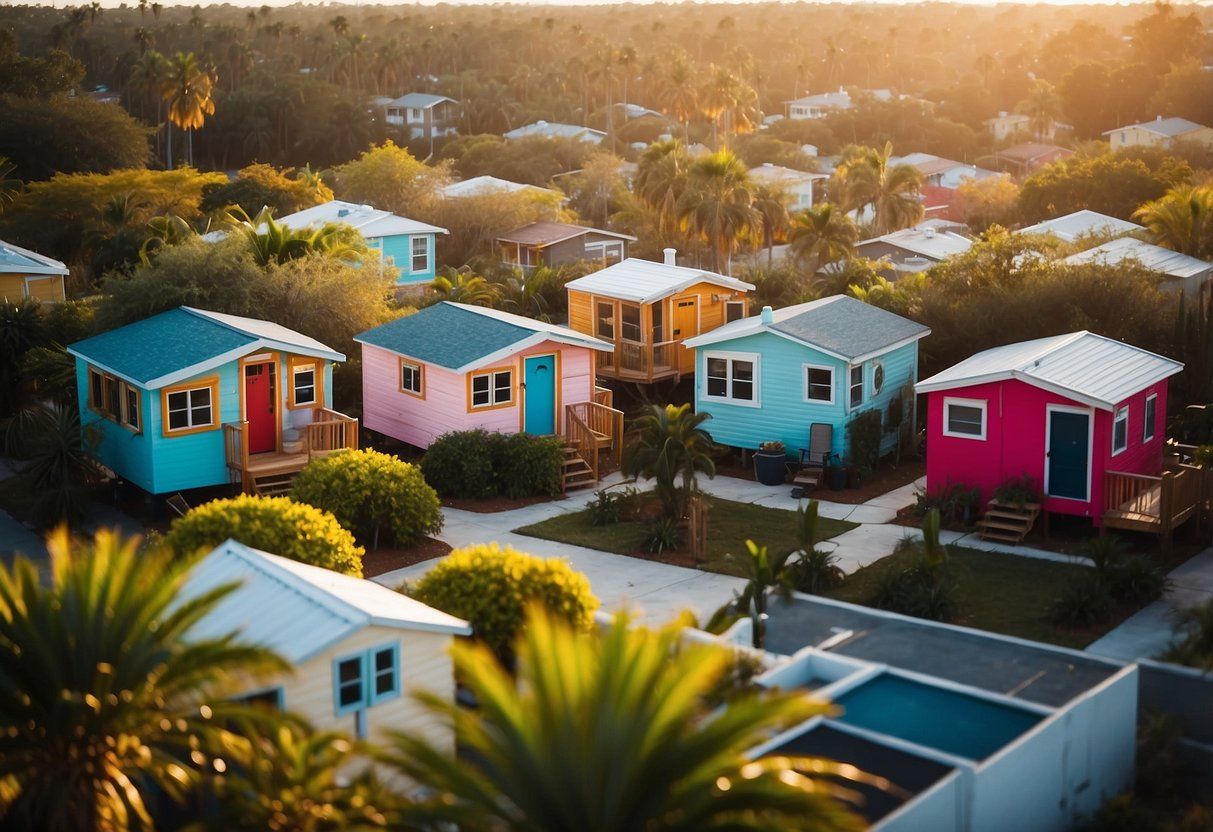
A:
(658, 324)
(96, 390)
(877, 378)
(130, 408)
(629, 323)
(734, 310)
(385, 676)
(303, 385)
(421, 254)
(964, 418)
(114, 399)
(191, 407)
(492, 389)
(856, 397)
(607, 251)
(269, 699)
(819, 384)
(411, 376)
(1120, 431)
(731, 377)
(365, 679)
(606, 320)
(1151, 413)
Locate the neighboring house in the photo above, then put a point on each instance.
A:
(487, 185)
(645, 310)
(555, 130)
(1070, 412)
(27, 274)
(357, 650)
(1181, 272)
(1006, 125)
(425, 116)
(796, 183)
(1084, 223)
(454, 367)
(912, 250)
(553, 244)
(407, 246)
(940, 179)
(1162, 132)
(190, 398)
(1023, 159)
(819, 105)
(772, 376)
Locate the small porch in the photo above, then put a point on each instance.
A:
(640, 362)
(271, 472)
(1155, 504)
(590, 428)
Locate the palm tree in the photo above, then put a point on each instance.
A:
(867, 178)
(188, 93)
(461, 286)
(1193, 640)
(719, 96)
(821, 235)
(1042, 107)
(148, 75)
(718, 204)
(771, 203)
(1182, 220)
(669, 443)
(272, 242)
(10, 185)
(678, 95)
(107, 695)
(763, 574)
(611, 731)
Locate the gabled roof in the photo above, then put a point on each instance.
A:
(840, 100)
(772, 174)
(556, 130)
(1070, 227)
(926, 242)
(419, 100)
(643, 281)
(482, 185)
(183, 342)
(370, 222)
(1083, 366)
(17, 260)
(1155, 258)
(1029, 151)
(1169, 127)
(545, 233)
(464, 338)
(1012, 117)
(299, 610)
(839, 326)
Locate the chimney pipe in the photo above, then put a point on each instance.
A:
(768, 316)
(670, 254)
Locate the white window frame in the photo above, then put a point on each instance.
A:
(852, 386)
(1121, 414)
(1149, 419)
(296, 369)
(493, 388)
(425, 254)
(418, 377)
(604, 250)
(190, 407)
(806, 369)
(729, 357)
(981, 404)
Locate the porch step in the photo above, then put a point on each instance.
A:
(274, 485)
(1007, 523)
(575, 471)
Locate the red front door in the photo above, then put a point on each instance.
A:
(259, 408)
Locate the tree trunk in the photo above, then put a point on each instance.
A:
(169, 154)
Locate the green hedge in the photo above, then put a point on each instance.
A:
(478, 464)
(367, 492)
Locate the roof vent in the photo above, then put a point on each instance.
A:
(669, 256)
(768, 316)
(928, 233)
(342, 212)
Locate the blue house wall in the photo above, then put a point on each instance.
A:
(399, 247)
(121, 450)
(781, 411)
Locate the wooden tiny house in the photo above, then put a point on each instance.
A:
(645, 310)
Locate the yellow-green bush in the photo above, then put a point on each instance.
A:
(490, 587)
(368, 491)
(277, 525)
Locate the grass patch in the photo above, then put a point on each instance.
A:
(1000, 593)
(730, 524)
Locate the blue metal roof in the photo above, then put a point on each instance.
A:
(446, 335)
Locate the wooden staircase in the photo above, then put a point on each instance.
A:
(575, 471)
(273, 485)
(1007, 523)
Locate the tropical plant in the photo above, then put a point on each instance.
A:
(813, 570)
(1181, 220)
(22, 327)
(51, 484)
(669, 444)
(461, 286)
(772, 203)
(611, 731)
(662, 535)
(110, 696)
(10, 185)
(270, 241)
(866, 178)
(278, 525)
(187, 89)
(923, 587)
(763, 574)
(718, 204)
(1192, 642)
(491, 588)
(821, 235)
(367, 492)
(1042, 106)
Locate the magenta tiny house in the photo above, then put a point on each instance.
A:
(1082, 416)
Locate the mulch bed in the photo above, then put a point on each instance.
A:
(378, 561)
(495, 504)
(884, 478)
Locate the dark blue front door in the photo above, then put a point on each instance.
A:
(1068, 463)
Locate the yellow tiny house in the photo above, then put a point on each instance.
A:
(646, 310)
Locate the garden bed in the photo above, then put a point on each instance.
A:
(378, 561)
(494, 505)
(884, 478)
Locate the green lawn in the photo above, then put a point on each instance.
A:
(730, 524)
(1000, 593)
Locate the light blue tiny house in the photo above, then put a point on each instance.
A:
(769, 377)
(189, 398)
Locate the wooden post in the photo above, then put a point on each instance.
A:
(697, 527)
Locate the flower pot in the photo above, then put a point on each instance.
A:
(770, 467)
(836, 478)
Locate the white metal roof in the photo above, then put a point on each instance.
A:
(482, 185)
(1155, 258)
(925, 241)
(419, 100)
(270, 331)
(556, 130)
(1169, 127)
(298, 610)
(643, 281)
(1072, 226)
(370, 221)
(772, 174)
(1083, 366)
(17, 260)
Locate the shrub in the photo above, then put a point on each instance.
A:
(1017, 491)
(815, 571)
(368, 491)
(1083, 602)
(490, 587)
(607, 507)
(864, 432)
(528, 466)
(1136, 579)
(919, 591)
(478, 464)
(277, 525)
(662, 534)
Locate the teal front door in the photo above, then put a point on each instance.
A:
(1068, 460)
(540, 395)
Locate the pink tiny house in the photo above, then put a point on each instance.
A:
(1082, 416)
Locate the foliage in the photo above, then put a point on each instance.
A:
(1018, 491)
(814, 570)
(529, 466)
(611, 731)
(368, 491)
(22, 327)
(277, 525)
(264, 186)
(110, 695)
(607, 507)
(1083, 602)
(1181, 220)
(865, 177)
(662, 534)
(667, 444)
(717, 204)
(821, 235)
(479, 464)
(1114, 184)
(981, 203)
(1136, 579)
(1192, 638)
(36, 78)
(864, 432)
(389, 178)
(925, 588)
(270, 241)
(59, 135)
(187, 89)
(474, 222)
(56, 469)
(491, 587)
(463, 286)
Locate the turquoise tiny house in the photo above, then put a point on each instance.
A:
(769, 377)
(189, 398)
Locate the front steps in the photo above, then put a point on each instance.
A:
(575, 471)
(1007, 523)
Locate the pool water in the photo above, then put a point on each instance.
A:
(946, 720)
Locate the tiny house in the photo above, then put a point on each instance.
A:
(190, 398)
(646, 310)
(26, 274)
(555, 244)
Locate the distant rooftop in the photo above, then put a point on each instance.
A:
(485, 185)
(1169, 127)
(1070, 227)
(1152, 257)
(370, 221)
(545, 233)
(556, 130)
(926, 242)
(17, 260)
(419, 100)
(771, 174)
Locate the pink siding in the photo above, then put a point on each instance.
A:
(1016, 426)
(444, 408)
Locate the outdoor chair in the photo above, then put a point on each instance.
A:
(813, 459)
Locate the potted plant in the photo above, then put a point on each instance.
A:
(834, 473)
(770, 463)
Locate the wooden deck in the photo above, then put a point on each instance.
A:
(1154, 504)
(271, 472)
(644, 363)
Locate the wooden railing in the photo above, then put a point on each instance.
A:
(235, 450)
(589, 427)
(604, 396)
(1153, 504)
(578, 434)
(640, 360)
(332, 431)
